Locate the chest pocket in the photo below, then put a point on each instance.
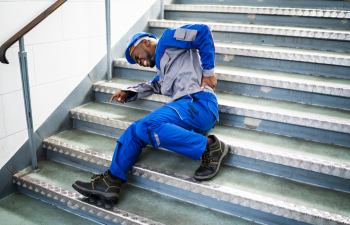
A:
(185, 34)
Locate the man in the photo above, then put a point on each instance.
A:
(187, 77)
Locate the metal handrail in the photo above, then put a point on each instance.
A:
(23, 63)
(22, 54)
(26, 29)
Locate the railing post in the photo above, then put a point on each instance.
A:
(162, 9)
(26, 95)
(108, 36)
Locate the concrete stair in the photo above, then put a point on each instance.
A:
(235, 188)
(284, 36)
(318, 4)
(316, 90)
(55, 185)
(335, 19)
(284, 98)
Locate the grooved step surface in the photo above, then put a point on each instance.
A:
(137, 200)
(273, 3)
(23, 209)
(306, 32)
(261, 108)
(260, 10)
(299, 153)
(284, 53)
(244, 180)
(279, 79)
(275, 143)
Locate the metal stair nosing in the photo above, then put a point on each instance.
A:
(284, 53)
(317, 4)
(334, 19)
(303, 32)
(76, 203)
(265, 84)
(304, 12)
(213, 191)
(257, 80)
(334, 169)
(312, 122)
(248, 122)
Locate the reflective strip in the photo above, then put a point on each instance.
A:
(150, 137)
(157, 139)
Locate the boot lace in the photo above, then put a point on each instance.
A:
(207, 159)
(97, 177)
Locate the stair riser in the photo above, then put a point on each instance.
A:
(320, 4)
(284, 41)
(283, 65)
(64, 206)
(264, 125)
(233, 160)
(255, 90)
(319, 22)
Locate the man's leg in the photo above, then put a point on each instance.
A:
(107, 186)
(166, 127)
(128, 149)
(180, 129)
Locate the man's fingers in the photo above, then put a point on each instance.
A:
(114, 96)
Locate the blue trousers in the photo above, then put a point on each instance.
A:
(178, 126)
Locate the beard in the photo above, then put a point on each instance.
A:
(152, 63)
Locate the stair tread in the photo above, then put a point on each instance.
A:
(282, 49)
(216, 26)
(134, 199)
(260, 104)
(309, 12)
(18, 209)
(266, 185)
(240, 136)
(317, 81)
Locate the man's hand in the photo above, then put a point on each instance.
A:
(210, 81)
(121, 96)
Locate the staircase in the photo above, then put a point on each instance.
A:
(283, 75)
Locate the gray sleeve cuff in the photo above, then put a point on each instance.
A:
(130, 89)
(208, 73)
(133, 96)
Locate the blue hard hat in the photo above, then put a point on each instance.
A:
(131, 41)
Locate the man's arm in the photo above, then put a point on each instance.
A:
(141, 90)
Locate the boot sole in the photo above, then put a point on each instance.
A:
(110, 199)
(224, 155)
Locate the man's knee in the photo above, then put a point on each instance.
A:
(145, 126)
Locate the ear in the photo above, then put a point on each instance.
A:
(146, 42)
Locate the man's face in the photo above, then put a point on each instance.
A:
(142, 56)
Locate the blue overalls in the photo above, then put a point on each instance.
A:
(179, 125)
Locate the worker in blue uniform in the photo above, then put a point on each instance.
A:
(185, 59)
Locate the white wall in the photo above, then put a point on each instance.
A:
(61, 52)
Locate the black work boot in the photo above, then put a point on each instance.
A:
(211, 159)
(104, 186)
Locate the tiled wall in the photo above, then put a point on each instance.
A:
(61, 52)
